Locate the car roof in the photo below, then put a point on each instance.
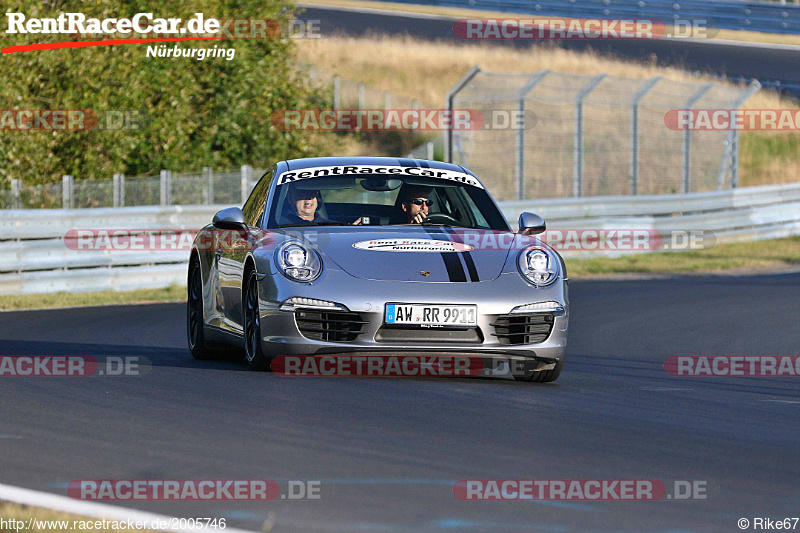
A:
(297, 164)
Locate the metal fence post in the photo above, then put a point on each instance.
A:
(451, 94)
(687, 137)
(67, 188)
(635, 132)
(247, 176)
(117, 190)
(520, 151)
(166, 186)
(732, 141)
(577, 152)
(337, 92)
(362, 96)
(208, 173)
(387, 101)
(735, 160)
(16, 189)
(429, 150)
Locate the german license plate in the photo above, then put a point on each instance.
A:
(431, 315)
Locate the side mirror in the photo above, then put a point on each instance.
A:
(230, 218)
(531, 224)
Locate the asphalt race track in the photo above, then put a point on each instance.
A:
(387, 452)
(775, 66)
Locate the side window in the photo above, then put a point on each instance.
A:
(254, 206)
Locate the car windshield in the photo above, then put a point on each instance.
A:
(381, 200)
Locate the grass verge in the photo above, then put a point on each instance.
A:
(173, 293)
(745, 257)
(61, 522)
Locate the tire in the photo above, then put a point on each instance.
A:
(253, 352)
(194, 314)
(542, 376)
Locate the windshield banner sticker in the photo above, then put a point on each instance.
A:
(355, 170)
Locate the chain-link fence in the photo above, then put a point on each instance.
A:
(577, 135)
(350, 94)
(209, 186)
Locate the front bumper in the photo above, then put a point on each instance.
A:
(495, 299)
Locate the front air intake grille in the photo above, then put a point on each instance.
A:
(330, 326)
(416, 335)
(523, 329)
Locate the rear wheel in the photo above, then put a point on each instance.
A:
(194, 314)
(254, 354)
(541, 376)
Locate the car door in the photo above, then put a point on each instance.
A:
(232, 249)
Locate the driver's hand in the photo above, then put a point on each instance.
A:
(418, 218)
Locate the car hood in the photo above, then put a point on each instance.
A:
(416, 253)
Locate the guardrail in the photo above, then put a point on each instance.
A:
(35, 257)
(769, 17)
(744, 214)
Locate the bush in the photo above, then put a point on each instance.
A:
(212, 113)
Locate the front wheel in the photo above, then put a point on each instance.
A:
(541, 376)
(253, 352)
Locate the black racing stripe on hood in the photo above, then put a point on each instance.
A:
(455, 270)
(473, 271)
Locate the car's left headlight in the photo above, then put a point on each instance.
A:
(538, 265)
(298, 262)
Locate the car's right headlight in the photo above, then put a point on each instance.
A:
(538, 265)
(298, 262)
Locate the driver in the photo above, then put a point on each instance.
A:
(417, 204)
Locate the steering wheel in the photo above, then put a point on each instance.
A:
(438, 218)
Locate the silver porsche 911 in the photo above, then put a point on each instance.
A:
(367, 255)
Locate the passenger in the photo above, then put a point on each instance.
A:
(303, 205)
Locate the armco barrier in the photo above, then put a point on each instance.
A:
(35, 259)
(769, 17)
